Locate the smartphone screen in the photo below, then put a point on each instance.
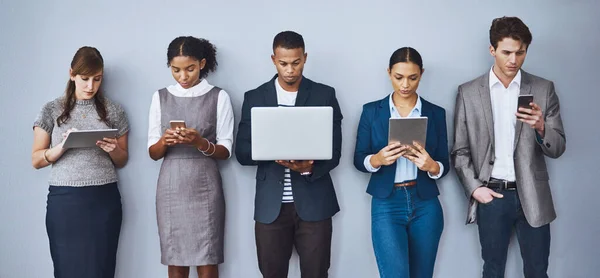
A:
(525, 100)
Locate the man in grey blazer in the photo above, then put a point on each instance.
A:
(499, 151)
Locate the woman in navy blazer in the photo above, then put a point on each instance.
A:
(406, 215)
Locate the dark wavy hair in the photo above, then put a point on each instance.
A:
(509, 27)
(196, 48)
(87, 61)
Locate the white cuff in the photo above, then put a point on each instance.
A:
(368, 165)
(439, 175)
(225, 143)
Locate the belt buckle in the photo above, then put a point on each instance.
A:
(505, 183)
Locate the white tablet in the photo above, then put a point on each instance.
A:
(87, 138)
(292, 133)
(407, 130)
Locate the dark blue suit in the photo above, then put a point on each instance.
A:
(406, 222)
(372, 136)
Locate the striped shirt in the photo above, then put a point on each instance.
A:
(286, 99)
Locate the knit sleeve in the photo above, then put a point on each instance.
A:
(118, 118)
(45, 118)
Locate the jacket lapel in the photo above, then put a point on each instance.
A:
(525, 90)
(486, 104)
(271, 93)
(383, 119)
(426, 112)
(303, 92)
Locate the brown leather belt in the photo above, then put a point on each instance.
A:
(410, 183)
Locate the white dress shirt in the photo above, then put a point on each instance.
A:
(224, 113)
(405, 169)
(504, 107)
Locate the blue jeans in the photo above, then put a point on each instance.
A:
(406, 231)
(496, 221)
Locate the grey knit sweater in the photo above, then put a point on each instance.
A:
(81, 166)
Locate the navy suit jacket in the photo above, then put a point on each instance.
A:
(314, 195)
(372, 136)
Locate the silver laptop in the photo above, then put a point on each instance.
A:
(292, 133)
(407, 130)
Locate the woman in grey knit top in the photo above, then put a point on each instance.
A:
(83, 218)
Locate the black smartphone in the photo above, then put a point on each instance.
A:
(525, 100)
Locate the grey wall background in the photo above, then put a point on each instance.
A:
(348, 47)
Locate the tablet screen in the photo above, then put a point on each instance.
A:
(87, 138)
(407, 130)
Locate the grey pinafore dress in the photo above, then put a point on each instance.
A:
(190, 206)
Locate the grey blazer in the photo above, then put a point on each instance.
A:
(473, 151)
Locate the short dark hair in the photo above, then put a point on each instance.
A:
(196, 48)
(509, 27)
(288, 40)
(406, 54)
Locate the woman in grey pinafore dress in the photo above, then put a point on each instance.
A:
(190, 205)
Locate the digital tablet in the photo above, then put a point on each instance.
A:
(407, 130)
(87, 138)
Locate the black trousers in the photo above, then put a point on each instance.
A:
(275, 242)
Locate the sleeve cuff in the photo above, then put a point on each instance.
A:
(539, 138)
(152, 141)
(227, 144)
(439, 175)
(368, 165)
(43, 126)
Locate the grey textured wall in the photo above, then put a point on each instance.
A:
(348, 47)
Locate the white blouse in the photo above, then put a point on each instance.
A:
(224, 113)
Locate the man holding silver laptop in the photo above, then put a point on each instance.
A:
(295, 199)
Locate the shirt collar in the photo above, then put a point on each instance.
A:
(494, 79)
(198, 88)
(417, 107)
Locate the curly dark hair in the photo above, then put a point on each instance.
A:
(288, 40)
(509, 27)
(196, 48)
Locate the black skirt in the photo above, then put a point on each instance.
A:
(83, 225)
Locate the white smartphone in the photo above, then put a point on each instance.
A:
(177, 123)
